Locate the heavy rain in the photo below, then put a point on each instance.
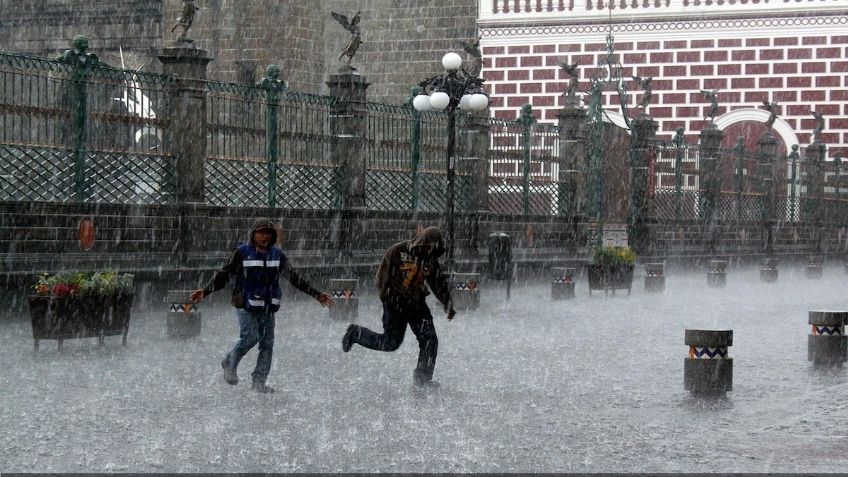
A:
(473, 236)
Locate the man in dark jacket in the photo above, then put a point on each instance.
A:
(404, 272)
(257, 266)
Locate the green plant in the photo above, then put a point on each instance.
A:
(84, 283)
(611, 256)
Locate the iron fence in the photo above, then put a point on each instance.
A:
(71, 132)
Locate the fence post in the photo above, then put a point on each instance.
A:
(188, 116)
(793, 160)
(679, 141)
(81, 61)
(766, 152)
(273, 87)
(709, 150)
(415, 149)
(527, 121)
(739, 151)
(348, 127)
(644, 130)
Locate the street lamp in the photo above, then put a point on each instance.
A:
(454, 89)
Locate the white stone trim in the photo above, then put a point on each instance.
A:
(668, 30)
(579, 14)
(783, 130)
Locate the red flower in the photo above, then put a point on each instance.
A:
(63, 289)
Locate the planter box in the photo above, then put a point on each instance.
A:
(69, 317)
(610, 278)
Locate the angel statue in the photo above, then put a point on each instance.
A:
(185, 19)
(771, 107)
(819, 125)
(473, 49)
(712, 95)
(647, 90)
(573, 75)
(353, 44)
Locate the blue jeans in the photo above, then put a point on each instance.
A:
(255, 327)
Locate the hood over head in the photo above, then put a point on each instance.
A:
(263, 224)
(428, 243)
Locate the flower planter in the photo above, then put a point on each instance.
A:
(606, 278)
(74, 316)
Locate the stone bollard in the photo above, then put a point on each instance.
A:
(343, 292)
(464, 291)
(814, 267)
(826, 346)
(707, 369)
(655, 277)
(717, 273)
(768, 270)
(184, 319)
(563, 284)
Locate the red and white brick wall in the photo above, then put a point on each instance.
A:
(800, 61)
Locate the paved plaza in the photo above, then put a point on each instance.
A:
(593, 384)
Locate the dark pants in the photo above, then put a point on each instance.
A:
(254, 328)
(420, 320)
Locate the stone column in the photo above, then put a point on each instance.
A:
(474, 161)
(348, 126)
(187, 136)
(709, 151)
(572, 171)
(815, 158)
(187, 131)
(766, 152)
(644, 130)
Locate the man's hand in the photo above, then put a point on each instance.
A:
(451, 313)
(196, 295)
(325, 300)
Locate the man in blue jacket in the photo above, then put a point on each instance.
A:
(257, 266)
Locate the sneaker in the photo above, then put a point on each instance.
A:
(230, 375)
(262, 388)
(347, 339)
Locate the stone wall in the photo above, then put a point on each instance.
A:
(403, 40)
(45, 28)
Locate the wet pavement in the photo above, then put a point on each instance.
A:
(593, 384)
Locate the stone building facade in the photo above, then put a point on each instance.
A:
(794, 53)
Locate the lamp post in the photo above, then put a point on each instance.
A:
(454, 89)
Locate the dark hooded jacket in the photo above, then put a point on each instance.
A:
(407, 268)
(234, 268)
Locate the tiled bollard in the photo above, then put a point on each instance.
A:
(343, 292)
(814, 267)
(464, 290)
(826, 344)
(717, 273)
(562, 285)
(184, 319)
(655, 277)
(768, 270)
(708, 369)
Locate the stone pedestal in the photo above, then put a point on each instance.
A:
(708, 368)
(562, 286)
(768, 270)
(814, 267)
(343, 292)
(717, 273)
(654, 277)
(827, 344)
(464, 290)
(184, 319)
